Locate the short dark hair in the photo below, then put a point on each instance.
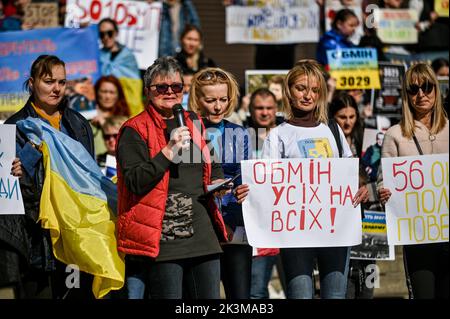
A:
(263, 92)
(162, 66)
(439, 63)
(42, 66)
(109, 20)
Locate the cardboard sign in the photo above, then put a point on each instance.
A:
(301, 202)
(417, 212)
(41, 15)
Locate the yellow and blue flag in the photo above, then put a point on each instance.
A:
(78, 206)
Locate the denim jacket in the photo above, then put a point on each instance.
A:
(169, 43)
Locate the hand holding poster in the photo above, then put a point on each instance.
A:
(10, 196)
(417, 212)
(301, 202)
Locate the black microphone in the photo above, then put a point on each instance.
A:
(178, 112)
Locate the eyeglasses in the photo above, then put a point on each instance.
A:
(426, 88)
(106, 137)
(108, 33)
(163, 88)
(210, 75)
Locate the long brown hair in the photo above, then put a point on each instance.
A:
(121, 107)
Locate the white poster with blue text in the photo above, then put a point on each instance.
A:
(280, 23)
(11, 202)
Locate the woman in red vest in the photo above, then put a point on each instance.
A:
(167, 225)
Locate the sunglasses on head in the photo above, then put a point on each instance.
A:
(426, 88)
(108, 33)
(106, 137)
(164, 88)
(210, 75)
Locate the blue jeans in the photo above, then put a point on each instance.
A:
(333, 265)
(192, 278)
(262, 267)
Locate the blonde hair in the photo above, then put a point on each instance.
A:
(114, 122)
(311, 69)
(212, 76)
(418, 74)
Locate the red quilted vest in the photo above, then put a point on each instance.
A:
(140, 218)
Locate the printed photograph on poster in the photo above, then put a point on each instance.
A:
(270, 79)
(443, 85)
(388, 100)
(371, 153)
(374, 244)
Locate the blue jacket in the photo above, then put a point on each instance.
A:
(124, 65)
(169, 43)
(232, 143)
(331, 40)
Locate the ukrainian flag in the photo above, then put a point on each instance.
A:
(78, 206)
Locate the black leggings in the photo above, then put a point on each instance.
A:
(427, 269)
(236, 270)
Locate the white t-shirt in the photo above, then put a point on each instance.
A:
(290, 141)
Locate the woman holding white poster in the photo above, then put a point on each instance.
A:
(305, 105)
(422, 130)
(214, 96)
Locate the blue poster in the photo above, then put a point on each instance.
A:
(78, 48)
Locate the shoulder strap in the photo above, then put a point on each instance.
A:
(335, 130)
(417, 144)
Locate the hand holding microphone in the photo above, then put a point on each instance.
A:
(179, 138)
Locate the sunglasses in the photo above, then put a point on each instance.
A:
(106, 137)
(164, 88)
(108, 33)
(426, 88)
(211, 75)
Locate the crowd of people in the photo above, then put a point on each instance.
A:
(177, 238)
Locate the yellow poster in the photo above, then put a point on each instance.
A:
(441, 7)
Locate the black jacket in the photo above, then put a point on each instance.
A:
(20, 234)
(203, 62)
